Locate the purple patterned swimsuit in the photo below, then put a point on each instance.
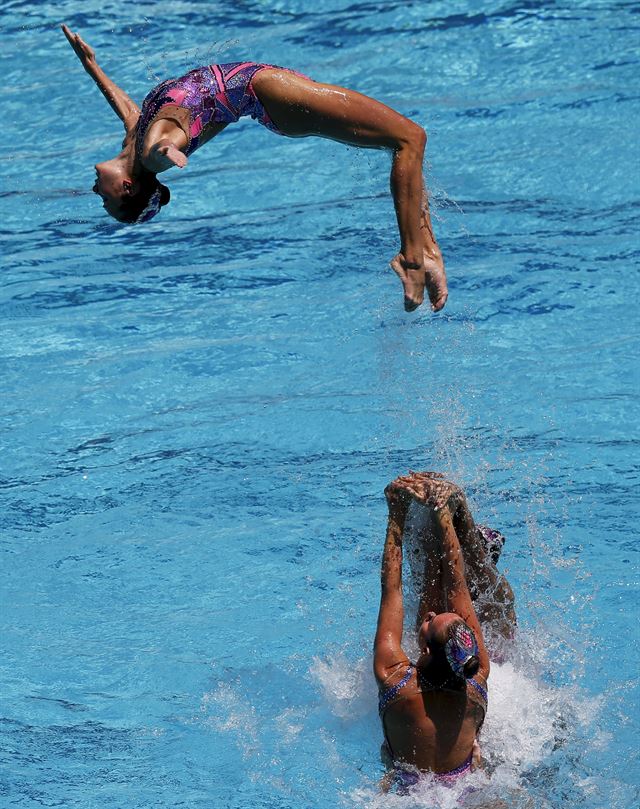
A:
(219, 93)
(407, 776)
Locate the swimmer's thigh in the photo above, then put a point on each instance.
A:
(300, 107)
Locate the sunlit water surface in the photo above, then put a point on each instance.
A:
(200, 415)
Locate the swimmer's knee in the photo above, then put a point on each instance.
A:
(415, 135)
(413, 138)
(421, 137)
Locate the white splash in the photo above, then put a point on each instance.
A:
(348, 688)
(225, 710)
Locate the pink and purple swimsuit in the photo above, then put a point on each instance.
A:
(219, 93)
(407, 776)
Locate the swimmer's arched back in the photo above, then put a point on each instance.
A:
(180, 115)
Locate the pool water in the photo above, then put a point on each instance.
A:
(200, 416)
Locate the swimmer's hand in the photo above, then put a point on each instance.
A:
(398, 497)
(431, 490)
(164, 154)
(174, 154)
(84, 52)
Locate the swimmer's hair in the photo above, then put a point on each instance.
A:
(132, 209)
(165, 194)
(471, 667)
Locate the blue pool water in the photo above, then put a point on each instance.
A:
(199, 416)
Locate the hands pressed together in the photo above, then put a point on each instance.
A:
(428, 488)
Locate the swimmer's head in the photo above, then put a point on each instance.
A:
(128, 199)
(446, 640)
(145, 204)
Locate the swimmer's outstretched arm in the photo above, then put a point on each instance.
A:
(124, 107)
(492, 597)
(387, 648)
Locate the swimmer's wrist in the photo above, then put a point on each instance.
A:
(397, 511)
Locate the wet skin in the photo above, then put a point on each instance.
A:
(300, 108)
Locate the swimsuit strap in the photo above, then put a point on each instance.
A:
(389, 693)
(481, 691)
(478, 693)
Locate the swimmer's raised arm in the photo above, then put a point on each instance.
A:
(124, 107)
(455, 583)
(387, 646)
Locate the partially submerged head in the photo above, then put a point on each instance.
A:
(128, 198)
(449, 645)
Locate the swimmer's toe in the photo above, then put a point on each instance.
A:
(410, 305)
(440, 302)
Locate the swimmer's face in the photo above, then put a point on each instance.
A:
(434, 630)
(112, 187)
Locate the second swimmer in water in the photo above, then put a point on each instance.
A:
(432, 709)
(182, 114)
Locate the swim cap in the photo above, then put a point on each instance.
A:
(460, 647)
(152, 207)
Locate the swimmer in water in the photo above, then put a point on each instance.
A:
(432, 710)
(182, 114)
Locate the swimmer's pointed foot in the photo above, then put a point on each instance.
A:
(435, 279)
(413, 281)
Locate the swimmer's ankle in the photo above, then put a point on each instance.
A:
(412, 261)
(433, 251)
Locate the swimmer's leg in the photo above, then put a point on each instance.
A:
(492, 595)
(300, 107)
(434, 273)
(433, 262)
